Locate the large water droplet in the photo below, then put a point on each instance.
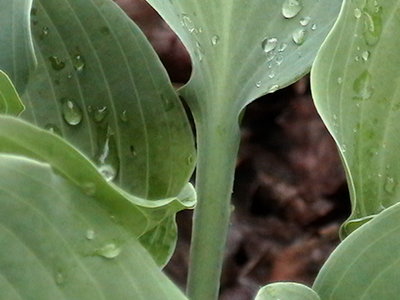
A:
(269, 44)
(215, 40)
(79, 63)
(90, 234)
(108, 172)
(56, 63)
(299, 36)
(71, 112)
(109, 251)
(291, 8)
(100, 113)
(362, 86)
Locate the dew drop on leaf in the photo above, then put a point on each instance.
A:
(269, 44)
(124, 116)
(362, 86)
(291, 8)
(305, 21)
(109, 251)
(279, 59)
(90, 234)
(45, 32)
(188, 23)
(79, 63)
(282, 47)
(340, 80)
(273, 88)
(357, 13)
(314, 26)
(299, 36)
(258, 84)
(108, 172)
(56, 63)
(390, 185)
(53, 129)
(271, 75)
(215, 40)
(100, 113)
(71, 112)
(365, 55)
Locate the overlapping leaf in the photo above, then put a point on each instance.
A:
(286, 290)
(243, 49)
(17, 57)
(10, 103)
(366, 265)
(57, 243)
(355, 86)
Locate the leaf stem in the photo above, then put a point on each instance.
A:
(218, 138)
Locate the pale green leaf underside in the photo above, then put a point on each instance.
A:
(57, 243)
(100, 85)
(366, 265)
(225, 41)
(286, 291)
(10, 103)
(17, 56)
(355, 83)
(137, 215)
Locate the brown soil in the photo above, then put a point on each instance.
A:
(290, 194)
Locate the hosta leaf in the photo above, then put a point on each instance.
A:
(10, 103)
(286, 290)
(58, 243)
(366, 265)
(243, 49)
(136, 214)
(17, 56)
(100, 85)
(355, 87)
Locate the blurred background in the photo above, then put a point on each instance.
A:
(290, 194)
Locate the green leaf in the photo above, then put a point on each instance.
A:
(17, 56)
(10, 103)
(100, 85)
(138, 215)
(366, 264)
(355, 87)
(243, 49)
(286, 290)
(58, 243)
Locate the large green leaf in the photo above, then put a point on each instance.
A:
(10, 103)
(243, 49)
(140, 216)
(286, 290)
(366, 265)
(17, 57)
(100, 85)
(56, 242)
(355, 87)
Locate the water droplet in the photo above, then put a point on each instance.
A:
(299, 36)
(215, 40)
(124, 116)
(357, 13)
(79, 63)
(305, 21)
(108, 172)
(258, 84)
(190, 160)
(99, 114)
(69, 76)
(56, 63)
(390, 185)
(271, 75)
(109, 251)
(269, 44)
(71, 112)
(45, 32)
(53, 129)
(365, 55)
(314, 26)
(199, 51)
(188, 23)
(59, 278)
(357, 58)
(273, 88)
(133, 151)
(362, 86)
(340, 80)
(90, 234)
(291, 8)
(279, 59)
(282, 47)
(372, 25)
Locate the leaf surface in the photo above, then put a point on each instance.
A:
(366, 265)
(100, 85)
(10, 103)
(83, 252)
(286, 290)
(17, 57)
(355, 87)
(243, 49)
